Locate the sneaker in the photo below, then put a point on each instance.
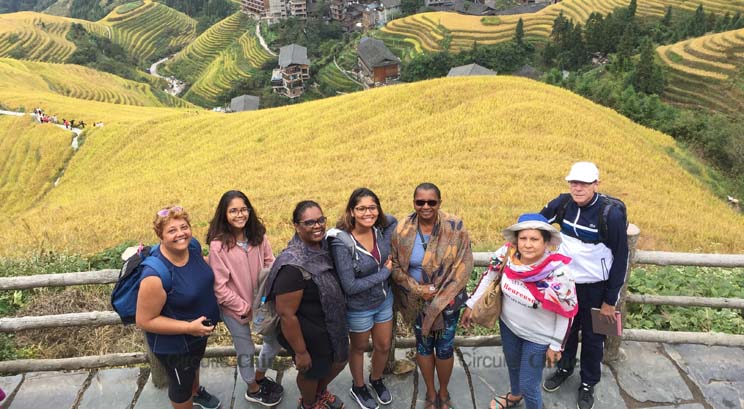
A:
(271, 385)
(586, 397)
(330, 400)
(383, 394)
(205, 399)
(263, 396)
(556, 380)
(362, 396)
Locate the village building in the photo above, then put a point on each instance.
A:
(338, 9)
(294, 70)
(377, 64)
(274, 10)
(469, 70)
(244, 103)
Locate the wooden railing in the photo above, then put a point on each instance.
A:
(612, 346)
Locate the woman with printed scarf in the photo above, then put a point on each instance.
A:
(432, 262)
(360, 246)
(312, 308)
(538, 303)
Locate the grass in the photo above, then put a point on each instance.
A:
(491, 20)
(126, 8)
(31, 157)
(422, 28)
(702, 72)
(442, 130)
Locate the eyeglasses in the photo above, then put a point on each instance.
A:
(164, 212)
(362, 209)
(421, 203)
(235, 211)
(312, 222)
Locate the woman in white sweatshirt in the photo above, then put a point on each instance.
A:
(539, 301)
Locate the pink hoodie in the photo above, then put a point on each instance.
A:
(236, 276)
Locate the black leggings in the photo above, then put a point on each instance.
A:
(182, 370)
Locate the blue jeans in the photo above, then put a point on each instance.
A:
(525, 361)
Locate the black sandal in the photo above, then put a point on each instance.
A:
(447, 402)
(510, 403)
(428, 404)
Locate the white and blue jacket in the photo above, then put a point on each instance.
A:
(594, 259)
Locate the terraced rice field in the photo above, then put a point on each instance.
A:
(151, 30)
(193, 60)
(426, 31)
(280, 156)
(36, 36)
(84, 83)
(238, 60)
(332, 77)
(706, 71)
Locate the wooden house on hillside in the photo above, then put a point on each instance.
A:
(294, 69)
(377, 64)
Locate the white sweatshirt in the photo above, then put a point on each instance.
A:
(522, 313)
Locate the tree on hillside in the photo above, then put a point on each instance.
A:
(625, 50)
(595, 34)
(648, 76)
(667, 19)
(408, 7)
(696, 26)
(632, 7)
(519, 32)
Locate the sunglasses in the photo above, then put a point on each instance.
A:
(312, 222)
(421, 203)
(164, 212)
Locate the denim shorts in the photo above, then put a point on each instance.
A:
(363, 321)
(442, 341)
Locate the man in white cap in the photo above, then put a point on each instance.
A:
(594, 232)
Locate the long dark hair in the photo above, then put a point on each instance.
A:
(346, 222)
(219, 228)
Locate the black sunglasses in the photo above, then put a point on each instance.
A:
(312, 222)
(421, 203)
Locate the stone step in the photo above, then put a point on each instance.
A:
(41, 389)
(111, 388)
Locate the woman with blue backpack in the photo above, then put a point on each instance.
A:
(360, 246)
(178, 316)
(238, 251)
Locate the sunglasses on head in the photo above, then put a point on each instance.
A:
(164, 212)
(421, 203)
(312, 222)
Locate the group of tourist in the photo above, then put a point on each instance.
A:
(334, 289)
(45, 118)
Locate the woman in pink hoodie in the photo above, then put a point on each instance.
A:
(238, 251)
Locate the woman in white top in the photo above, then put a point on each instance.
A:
(538, 303)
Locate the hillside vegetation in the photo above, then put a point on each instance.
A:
(429, 31)
(83, 83)
(145, 32)
(497, 146)
(227, 52)
(36, 36)
(706, 71)
(31, 158)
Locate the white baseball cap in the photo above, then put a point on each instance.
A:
(586, 172)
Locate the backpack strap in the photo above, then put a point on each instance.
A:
(560, 212)
(154, 262)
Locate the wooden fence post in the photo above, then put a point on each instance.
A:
(390, 364)
(612, 345)
(157, 371)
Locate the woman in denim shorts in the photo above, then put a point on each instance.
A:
(360, 246)
(432, 262)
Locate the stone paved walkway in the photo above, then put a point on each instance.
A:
(655, 376)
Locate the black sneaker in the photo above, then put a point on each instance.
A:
(205, 399)
(263, 396)
(586, 397)
(556, 380)
(362, 396)
(383, 394)
(269, 384)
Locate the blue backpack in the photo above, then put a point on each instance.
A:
(124, 296)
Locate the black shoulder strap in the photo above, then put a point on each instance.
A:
(560, 212)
